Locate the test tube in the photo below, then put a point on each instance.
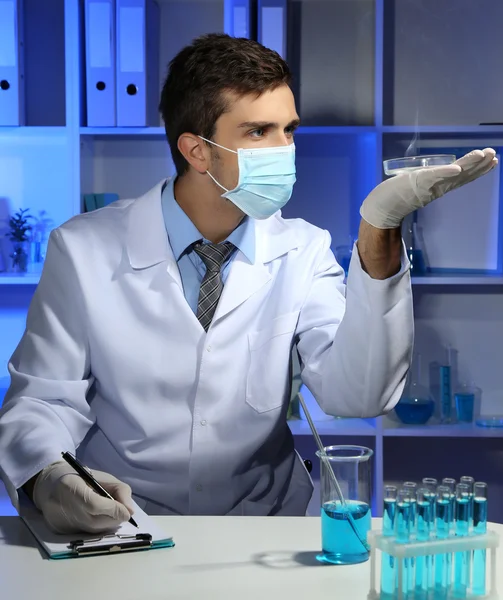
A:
(411, 487)
(388, 571)
(431, 484)
(479, 528)
(402, 535)
(461, 565)
(424, 525)
(442, 561)
(451, 484)
(469, 481)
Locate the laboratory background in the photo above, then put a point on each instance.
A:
(373, 80)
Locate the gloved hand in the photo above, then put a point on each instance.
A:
(391, 201)
(69, 505)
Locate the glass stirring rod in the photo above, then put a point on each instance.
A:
(479, 528)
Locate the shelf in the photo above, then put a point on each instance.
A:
(458, 279)
(459, 430)
(22, 279)
(347, 427)
(154, 132)
(454, 129)
(27, 131)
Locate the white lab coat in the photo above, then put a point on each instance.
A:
(114, 362)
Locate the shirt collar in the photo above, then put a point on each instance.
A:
(183, 233)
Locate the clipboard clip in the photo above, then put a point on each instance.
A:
(111, 544)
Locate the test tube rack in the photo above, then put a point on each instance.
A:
(377, 541)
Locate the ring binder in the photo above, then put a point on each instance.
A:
(116, 543)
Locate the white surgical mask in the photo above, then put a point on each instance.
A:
(266, 178)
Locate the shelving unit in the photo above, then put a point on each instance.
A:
(371, 76)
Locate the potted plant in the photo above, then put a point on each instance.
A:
(18, 234)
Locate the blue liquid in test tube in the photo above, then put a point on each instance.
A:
(461, 561)
(411, 487)
(402, 534)
(469, 481)
(479, 528)
(442, 522)
(388, 571)
(424, 522)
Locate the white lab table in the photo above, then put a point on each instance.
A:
(215, 558)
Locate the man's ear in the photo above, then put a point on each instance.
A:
(195, 151)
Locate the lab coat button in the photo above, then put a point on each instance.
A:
(208, 349)
(203, 422)
(199, 487)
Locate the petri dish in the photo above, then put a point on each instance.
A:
(406, 164)
(490, 421)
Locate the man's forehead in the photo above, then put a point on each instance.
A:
(275, 106)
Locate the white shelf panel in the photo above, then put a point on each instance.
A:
(457, 279)
(456, 430)
(457, 129)
(103, 132)
(339, 427)
(21, 279)
(28, 131)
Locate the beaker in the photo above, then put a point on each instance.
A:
(344, 526)
(467, 398)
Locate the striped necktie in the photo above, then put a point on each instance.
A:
(213, 256)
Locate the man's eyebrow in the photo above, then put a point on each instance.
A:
(266, 124)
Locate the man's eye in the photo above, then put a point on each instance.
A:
(257, 132)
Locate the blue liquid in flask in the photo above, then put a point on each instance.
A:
(341, 546)
(414, 411)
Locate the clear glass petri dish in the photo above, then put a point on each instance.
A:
(490, 421)
(406, 164)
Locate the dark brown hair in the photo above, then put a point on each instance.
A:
(192, 97)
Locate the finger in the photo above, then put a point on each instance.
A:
(474, 158)
(97, 505)
(122, 493)
(75, 519)
(425, 179)
(77, 492)
(482, 171)
(115, 487)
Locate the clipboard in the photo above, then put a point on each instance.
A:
(111, 544)
(148, 536)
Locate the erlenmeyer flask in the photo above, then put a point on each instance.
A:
(416, 406)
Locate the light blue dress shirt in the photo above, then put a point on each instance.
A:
(182, 233)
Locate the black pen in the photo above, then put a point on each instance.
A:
(89, 479)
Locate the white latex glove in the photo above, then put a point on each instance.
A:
(69, 505)
(391, 201)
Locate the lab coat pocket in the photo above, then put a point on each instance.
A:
(270, 350)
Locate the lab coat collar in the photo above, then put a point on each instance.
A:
(148, 243)
(274, 238)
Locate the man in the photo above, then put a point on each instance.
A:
(158, 341)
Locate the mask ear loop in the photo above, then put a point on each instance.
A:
(223, 148)
(218, 145)
(215, 181)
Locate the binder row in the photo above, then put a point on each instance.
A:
(122, 62)
(121, 56)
